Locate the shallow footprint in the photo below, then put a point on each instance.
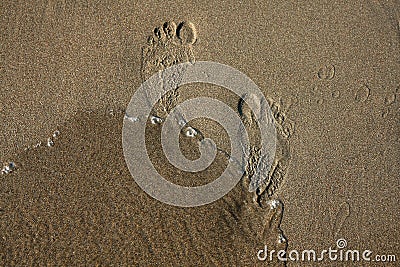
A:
(326, 72)
(168, 45)
(260, 176)
(259, 214)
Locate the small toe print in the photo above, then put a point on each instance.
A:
(169, 29)
(165, 47)
(362, 94)
(151, 41)
(249, 104)
(159, 33)
(187, 33)
(390, 99)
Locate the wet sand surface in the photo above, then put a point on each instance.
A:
(329, 71)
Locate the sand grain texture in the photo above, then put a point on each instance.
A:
(330, 71)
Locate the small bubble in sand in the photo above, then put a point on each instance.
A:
(131, 119)
(273, 203)
(50, 142)
(281, 239)
(56, 133)
(10, 167)
(156, 120)
(190, 132)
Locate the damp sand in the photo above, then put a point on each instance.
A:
(329, 71)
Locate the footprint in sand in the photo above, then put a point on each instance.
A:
(391, 103)
(326, 72)
(362, 94)
(342, 215)
(252, 216)
(265, 179)
(170, 44)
